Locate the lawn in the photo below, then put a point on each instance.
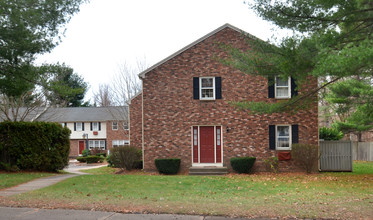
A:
(324, 195)
(13, 179)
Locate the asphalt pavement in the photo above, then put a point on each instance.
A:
(8, 213)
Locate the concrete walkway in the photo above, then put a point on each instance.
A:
(64, 214)
(73, 168)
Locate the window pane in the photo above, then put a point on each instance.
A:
(283, 131)
(283, 142)
(79, 126)
(115, 125)
(281, 82)
(282, 92)
(207, 93)
(207, 82)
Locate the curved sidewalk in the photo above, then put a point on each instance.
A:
(46, 181)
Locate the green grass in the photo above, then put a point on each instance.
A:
(363, 167)
(13, 179)
(326, 195)
(100, 171)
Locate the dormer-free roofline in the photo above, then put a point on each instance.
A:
(142, 74)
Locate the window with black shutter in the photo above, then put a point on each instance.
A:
(207, 88)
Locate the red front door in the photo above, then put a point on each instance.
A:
(81, 147)
(207, 144)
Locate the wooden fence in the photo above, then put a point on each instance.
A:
(336, 156)
(362, 151)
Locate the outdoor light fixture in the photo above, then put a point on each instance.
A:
(85, 136)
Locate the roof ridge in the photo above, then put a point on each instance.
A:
(142, 74)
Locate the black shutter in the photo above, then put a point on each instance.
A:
(271, 87)
(91, 126)
(65, 124)
(195, 88)
(217, 87)
(272, 137)
(82, 126)
(74, 126)
(294, 91)
(99, 126)
(294, 134)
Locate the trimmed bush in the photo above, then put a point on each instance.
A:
(124, 157)
(271, 164)
(86, 153)
(330, 134)
(39, 146)
(306, 156)
(242, 164)
(93, 159)
(82, 159)
(168, 166)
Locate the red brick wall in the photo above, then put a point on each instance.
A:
(135, 121)
(74, 148)
(170, 110)
(111, 134)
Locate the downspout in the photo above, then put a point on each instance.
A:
(142, 124)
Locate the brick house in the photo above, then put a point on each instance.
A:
(99, 127)
(184, 109)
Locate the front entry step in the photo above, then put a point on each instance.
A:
(207, 171)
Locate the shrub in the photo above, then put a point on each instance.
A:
(271, 164)
(81, 159)
(102, 158)
(306, 155)
(137, 164)
(86, 153)
(39, 146)
(110, 162)
(242, 164)
(167, 166)
(93, 159)
(98, 152)
(124, 157)
(330, 134)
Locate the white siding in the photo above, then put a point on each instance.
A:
(87, 130)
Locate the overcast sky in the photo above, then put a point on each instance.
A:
(106, 33)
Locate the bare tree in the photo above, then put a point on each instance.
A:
(126, 83)
(103, 97)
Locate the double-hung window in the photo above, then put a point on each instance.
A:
(283, 138)
(95, 126)
(125, 125)
(115, 125)
(207, 88)
(79, 126)
(282, 87)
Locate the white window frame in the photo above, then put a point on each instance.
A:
(125, 126)
(288, 87)
(119, 143)
(213, 88)
(277, 143)
(96, 144)
(95, 126)
(114, 125)
(79, 126)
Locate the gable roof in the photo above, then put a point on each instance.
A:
(142, 74)
(85, 114)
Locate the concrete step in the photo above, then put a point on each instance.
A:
(208, 171)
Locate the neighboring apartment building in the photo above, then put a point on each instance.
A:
(99, 127)
(184, 110)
